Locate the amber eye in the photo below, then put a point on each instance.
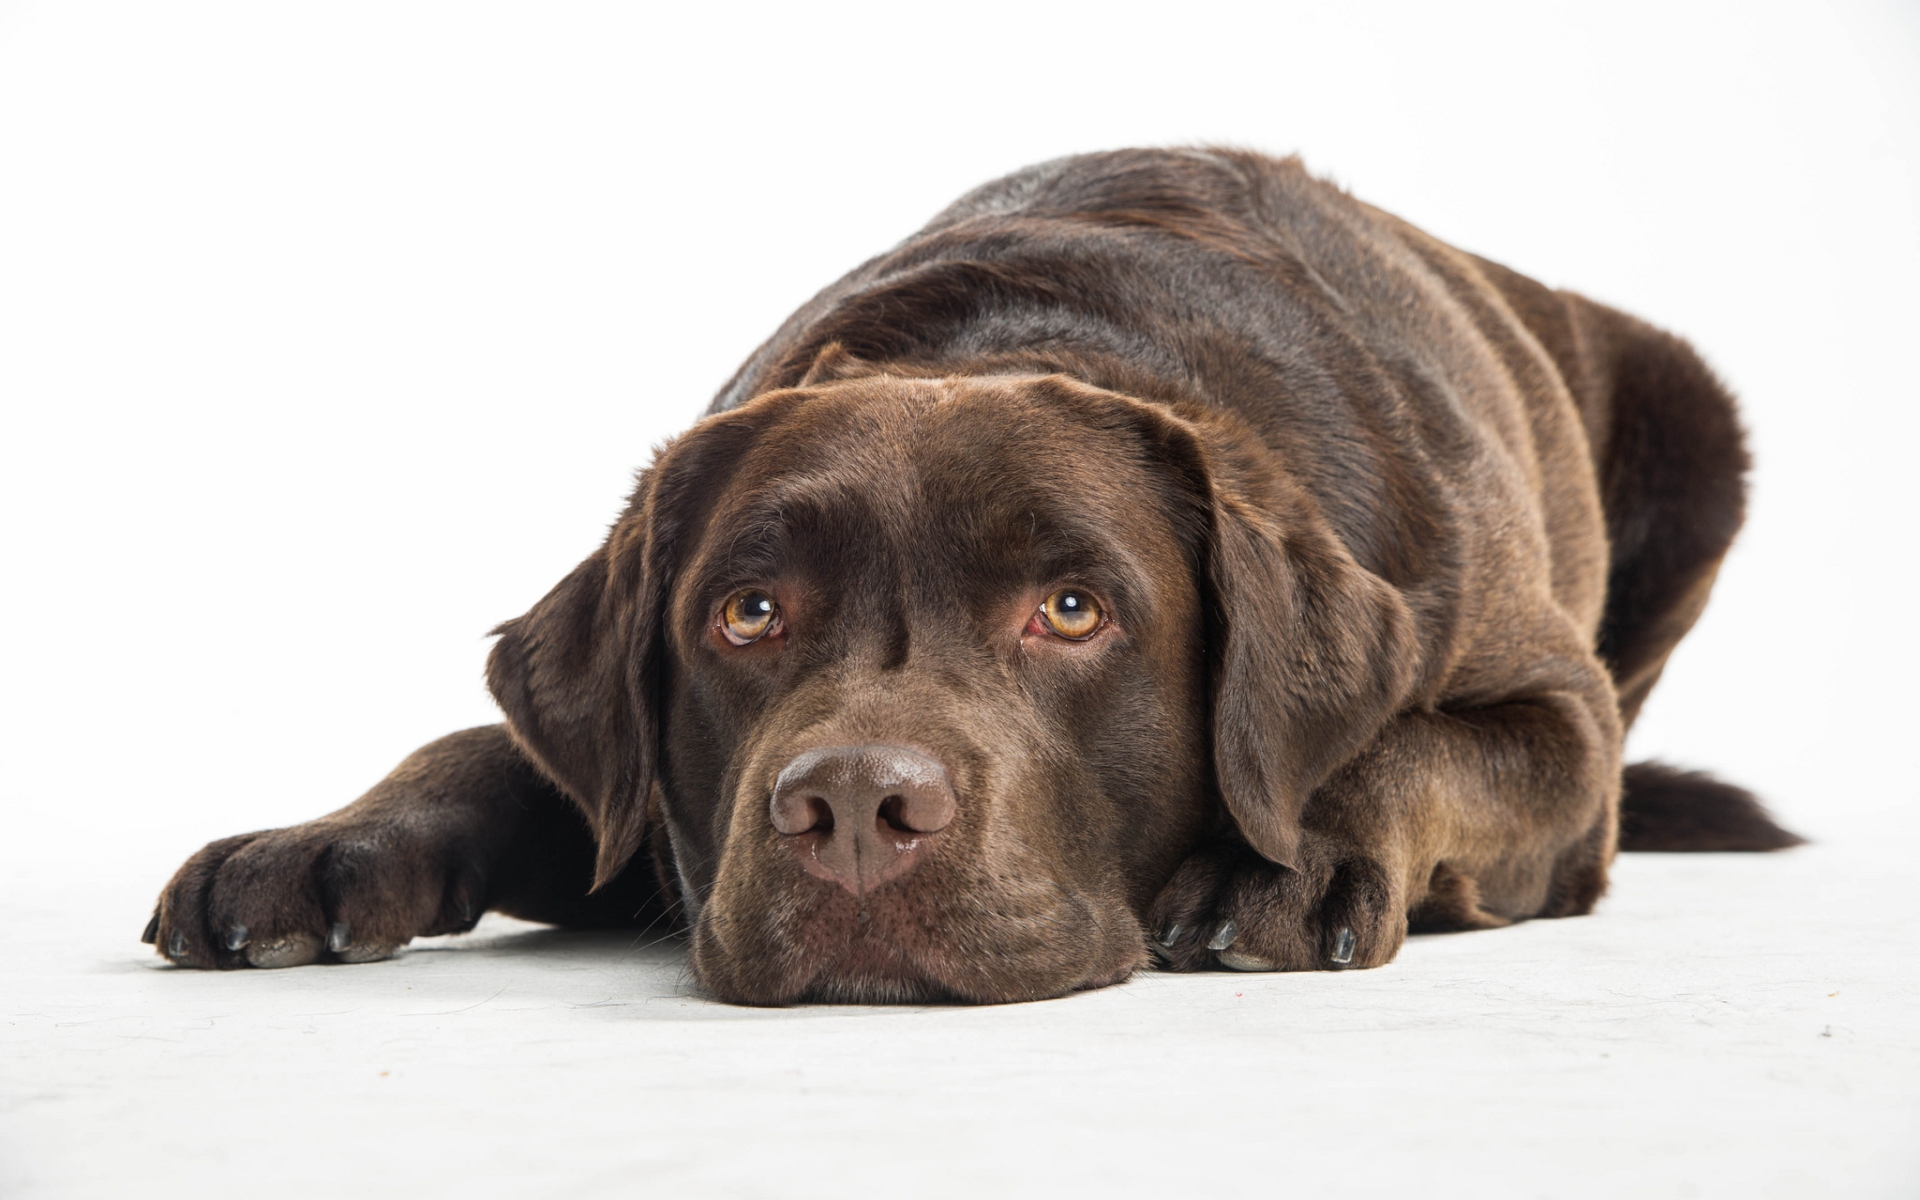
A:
(749, 616)
(1071, 614)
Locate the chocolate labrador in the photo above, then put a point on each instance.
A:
(1160, 556)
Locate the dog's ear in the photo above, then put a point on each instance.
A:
(580, 676)
(576, 677)
(833, 362)
(1310, 654)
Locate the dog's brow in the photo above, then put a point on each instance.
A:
(757, 537)
(1035, 540)
(1088, 546)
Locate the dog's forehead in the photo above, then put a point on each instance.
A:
(983, 483)
(983, 443)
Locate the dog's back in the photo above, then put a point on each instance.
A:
(1238, 280)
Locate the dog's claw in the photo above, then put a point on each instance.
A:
(177, 945)
(1168, 938)
(237, 937)
(152, 932)
(337, 937)
(1343, 946)
(1224, 938)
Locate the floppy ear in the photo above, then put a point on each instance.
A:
(1310, 653)
(576, 676)
(580, 676)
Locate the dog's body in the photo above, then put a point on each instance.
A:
(1160, 551)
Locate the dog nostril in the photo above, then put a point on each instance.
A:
(892, 811)
(870, 809)
(797, 812)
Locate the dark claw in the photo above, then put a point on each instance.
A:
(237, 937)
(152, 933)
(1343, 946)
(1224, 938)
(1168, 938)
(177, 944)
(337, 939)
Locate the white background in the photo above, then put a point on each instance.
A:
(330, 334)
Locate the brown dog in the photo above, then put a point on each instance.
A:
(1160, 552)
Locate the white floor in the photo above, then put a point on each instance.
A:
(1726, 1026)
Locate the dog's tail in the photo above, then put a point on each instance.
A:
(1665, 808)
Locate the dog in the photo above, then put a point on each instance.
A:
(1162, 557)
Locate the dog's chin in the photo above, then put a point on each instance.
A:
(875, 971)
(881, 961)
(868, 976)
(869, 971)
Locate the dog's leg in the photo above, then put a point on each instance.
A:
(464, 825)
(1671, 462)
(1465, 818)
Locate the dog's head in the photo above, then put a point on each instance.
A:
(933, 682)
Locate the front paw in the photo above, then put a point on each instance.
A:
(1226, 906)
(324, 891)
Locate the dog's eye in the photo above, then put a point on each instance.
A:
(749, 616)
(1071, 614)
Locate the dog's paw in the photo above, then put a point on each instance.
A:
(323, 891)
(1226, 906)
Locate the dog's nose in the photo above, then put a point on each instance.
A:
(858, 815)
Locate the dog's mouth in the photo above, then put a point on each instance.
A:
(913, 944)
(882, 872)
(874, 969)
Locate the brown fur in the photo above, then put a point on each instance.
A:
(1663, 808)
(1393, 543)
